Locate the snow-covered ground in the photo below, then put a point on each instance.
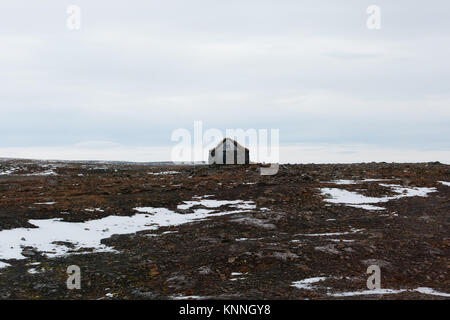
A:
(365, 292)
(50, 235)
(13, 170)
(357, 200)
(316, 282)
(5, 172)
(43, 173)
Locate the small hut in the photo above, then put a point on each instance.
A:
(229, 151)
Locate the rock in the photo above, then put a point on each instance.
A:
(145, 294)
(254, 222)
(285, 255)
(204, 270)
(45, 286)
(329, 248)
(28, 252)
(4, 295)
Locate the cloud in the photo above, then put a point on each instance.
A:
(97, 145)
(134, 73)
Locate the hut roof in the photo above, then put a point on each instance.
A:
(237, 144)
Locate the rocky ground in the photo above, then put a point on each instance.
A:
(308, 232)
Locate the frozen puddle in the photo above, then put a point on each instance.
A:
(54, 237)
(354, 199)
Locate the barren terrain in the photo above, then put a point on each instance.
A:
(147, 231)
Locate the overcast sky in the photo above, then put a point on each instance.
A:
(138, 70)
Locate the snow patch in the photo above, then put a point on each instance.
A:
(366, 292)
(35, 271)
(248, 239)
(163, 173)
(188, 298)
(430, 291)
(94, 209)
(329, 233)
(423, 290)
(343, 181)
(54, 237)
(7, 172)
(208, 203)
(307, 283)
(353, 199)
(365, 206)
(43, 173)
